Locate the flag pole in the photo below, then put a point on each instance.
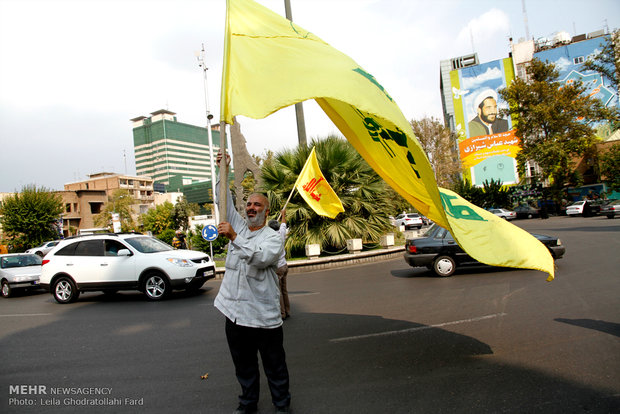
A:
(295, 185)
(223, 199)
(289, 199)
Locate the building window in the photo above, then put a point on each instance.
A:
(95, 208)
(578, 60)
(68, 208)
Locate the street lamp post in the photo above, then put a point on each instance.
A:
(299, 109)
(201, 62)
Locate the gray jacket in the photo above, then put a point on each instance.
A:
(250, 294)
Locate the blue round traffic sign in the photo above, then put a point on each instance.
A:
(209, 232)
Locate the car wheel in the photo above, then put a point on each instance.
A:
(444, 266)
(65, 290)
(156, 286)
(6, 289)
(610, 216)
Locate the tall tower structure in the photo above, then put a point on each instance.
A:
(171, 152)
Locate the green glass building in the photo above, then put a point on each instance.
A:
(171, 152)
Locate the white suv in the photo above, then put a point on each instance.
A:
(409, 220)
(112, 262)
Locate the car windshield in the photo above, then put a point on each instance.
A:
(148, 244)
(20, 261)
(431, 230)
(578, 203)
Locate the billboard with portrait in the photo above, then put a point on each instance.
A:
(487, 142)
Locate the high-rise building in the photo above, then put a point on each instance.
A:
(171, 152)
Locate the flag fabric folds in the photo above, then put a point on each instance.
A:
(271, 63)
(317, 192)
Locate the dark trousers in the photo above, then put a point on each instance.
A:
(244, 344)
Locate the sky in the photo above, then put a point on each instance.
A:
(74, 72)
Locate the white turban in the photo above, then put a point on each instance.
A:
(486, 93)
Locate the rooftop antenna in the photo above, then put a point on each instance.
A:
(527, 29)
(125, 160)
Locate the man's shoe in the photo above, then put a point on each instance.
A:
(283, 410)
(244, 409)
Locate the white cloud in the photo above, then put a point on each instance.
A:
(476, 81)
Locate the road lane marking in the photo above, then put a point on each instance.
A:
(25, 314)
(418, 328)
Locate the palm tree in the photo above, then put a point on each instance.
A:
(361, 190)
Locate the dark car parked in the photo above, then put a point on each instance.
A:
(525, 211)
(438, 251)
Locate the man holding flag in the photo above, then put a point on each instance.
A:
(249, 298)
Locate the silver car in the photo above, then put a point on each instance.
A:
(19, 271)
(611, 208)
(43, 249)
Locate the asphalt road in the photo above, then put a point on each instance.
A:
(373, 338)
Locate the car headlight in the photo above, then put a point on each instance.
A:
(180, 262)
(559, 242)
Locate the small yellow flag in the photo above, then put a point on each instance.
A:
(316, 190)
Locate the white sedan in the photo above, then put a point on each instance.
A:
(575, 209)
(19, 271)
(503, 213)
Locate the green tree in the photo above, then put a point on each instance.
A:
(359, 188)
(605, 62)
(29, 217)
(166, 236)
(159, 218)
(554, 122)
(119, 202)
(439, 145)
(610, 166)
(465, 189)
(495, 194)
(182, 211)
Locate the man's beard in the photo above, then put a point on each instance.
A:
(486, 119)
(257, 221)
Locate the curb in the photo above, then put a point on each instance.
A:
(309, 265)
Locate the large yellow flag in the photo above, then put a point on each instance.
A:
(271, 63)
(316, 190)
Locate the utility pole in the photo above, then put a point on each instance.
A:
(299, 109)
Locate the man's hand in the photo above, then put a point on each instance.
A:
(218, 158)
(226, 229)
